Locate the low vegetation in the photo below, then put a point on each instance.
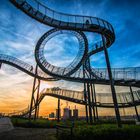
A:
(39, 123)
(103, 132)
(43, 123)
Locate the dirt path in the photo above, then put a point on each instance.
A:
(5, 125)
(29, 134)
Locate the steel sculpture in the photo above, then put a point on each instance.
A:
(80, 69)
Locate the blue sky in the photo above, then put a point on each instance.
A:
(19, 34)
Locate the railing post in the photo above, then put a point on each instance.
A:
(112, 84)
(133, 100)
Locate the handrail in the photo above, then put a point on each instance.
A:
(68, 95)
(25, 67)
(118, 73)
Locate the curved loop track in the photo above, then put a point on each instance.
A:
(76, 24)
(47, 16)
(61, 71)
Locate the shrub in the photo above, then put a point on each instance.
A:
(40, 123)
(104, 132)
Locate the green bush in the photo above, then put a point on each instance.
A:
(103, 132)
(40, 123)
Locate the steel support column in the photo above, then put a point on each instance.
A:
(89, 103)
(85, 96)
(95, 100)
(58, 111)
(34, 99)
(36, 103)
(92, 98)
(133, 100)
(112, 84)
(37, 111)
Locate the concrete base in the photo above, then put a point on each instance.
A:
(5, 124)
(137, 123)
